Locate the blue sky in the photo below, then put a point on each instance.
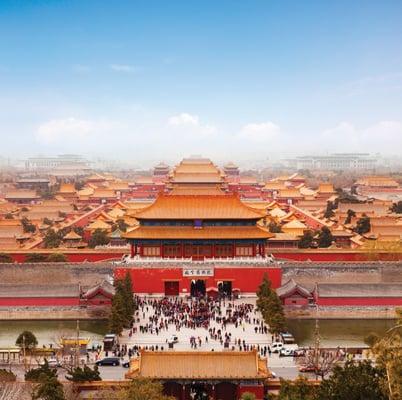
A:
(233, 79)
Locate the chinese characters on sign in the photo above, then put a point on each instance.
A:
(190, 272)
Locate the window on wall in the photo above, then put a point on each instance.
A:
(222, 250)
(151, 251)
(172, 251)
(243, 251)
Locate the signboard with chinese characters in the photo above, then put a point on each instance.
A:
(198, 272)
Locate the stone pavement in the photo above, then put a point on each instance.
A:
(245, 331)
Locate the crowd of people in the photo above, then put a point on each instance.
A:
(223, 321)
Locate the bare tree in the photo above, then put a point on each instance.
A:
(14, 391)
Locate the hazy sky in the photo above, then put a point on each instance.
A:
(147, 80)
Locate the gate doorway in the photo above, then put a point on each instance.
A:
(198, 288)
(171, 288)
(199, 391)
(225, 288)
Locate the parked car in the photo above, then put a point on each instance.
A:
(109, 361)
(52, 362)
(275, 347)
(126, 364)
(307, 368)
(285, 352)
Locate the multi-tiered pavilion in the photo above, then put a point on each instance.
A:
(198, 243)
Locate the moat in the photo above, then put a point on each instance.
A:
(345, 332)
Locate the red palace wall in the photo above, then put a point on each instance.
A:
(258, 391)
(152, 280)
(359, 301)
(39, 301)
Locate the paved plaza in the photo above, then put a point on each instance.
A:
(250, 330)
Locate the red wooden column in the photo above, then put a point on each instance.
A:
(263, 249)
(132, 252)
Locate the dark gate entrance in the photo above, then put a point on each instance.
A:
(171, 288)
(226, 391)
(225, 288)
(199, 391)
(198, 288)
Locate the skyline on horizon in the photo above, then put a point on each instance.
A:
(229, 81)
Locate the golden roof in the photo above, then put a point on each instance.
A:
(189, 232)
(67, 188)
(326, 188)
(72, 236)
(294, 224)
(198, 207)
(98, 224)
(198, 365)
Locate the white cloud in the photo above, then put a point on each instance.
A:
(382, 136)
(123, 68)
(183, 119)
(68, 129)
(260, 131)
(190, 122)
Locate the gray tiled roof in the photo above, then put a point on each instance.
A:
(360, 290)
(39, 291)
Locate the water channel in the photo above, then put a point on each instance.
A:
(346, 332)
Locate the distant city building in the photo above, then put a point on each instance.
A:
(337, 161)
(64, 165)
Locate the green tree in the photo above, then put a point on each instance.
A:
(35, 258)
(128, 296)
(270, 306)
(47, 221)
(325, 237)
(98, 238)
(350, 215)
(122, 225)
(56, 257)
(353, 381)
(306, 241)
(48, 388)
(78, 185)
(117, 319)
(274, 227)
(27, 226)
(51, 239)
(329, 212)
(363, 225)
(397, 207)
(299, 389)
(248, 396)
(85, 374)
(263, 292)
(35, 374)
(26, 340)
(141, 389)
(5, 258)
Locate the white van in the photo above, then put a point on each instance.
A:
(275, 347)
